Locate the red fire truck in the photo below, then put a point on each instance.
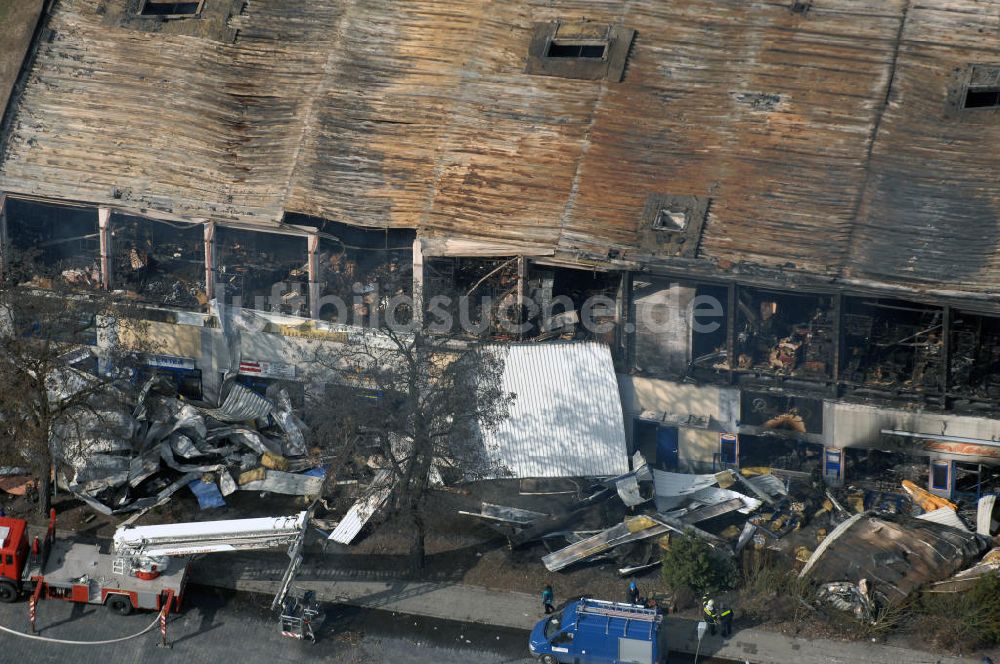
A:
(145, 567)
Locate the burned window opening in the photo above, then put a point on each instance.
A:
(159, 262)
(779, 452)
(982, 88)
(671, 224)
(893, 346)
(784, 334)
(480, 299)
(576, 50)
(53, 245)
(358, 284)
(670, 220)
(265, 271)
(579, 50)
(471, 298)
(974, 358)
(170, 8)
(362, 273)
(982, 98)
(709, 352)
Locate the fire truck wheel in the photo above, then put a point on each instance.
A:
(8, 592)
(548, 659)
(120, 604)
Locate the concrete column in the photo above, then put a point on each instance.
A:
(104, 232)
(522, 286)
(3, 235)
(418, 283)
(210, 260)
(313, 268)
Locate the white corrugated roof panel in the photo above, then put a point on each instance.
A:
(567, 418)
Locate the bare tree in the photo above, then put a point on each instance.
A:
(419, 404)
(50, 381)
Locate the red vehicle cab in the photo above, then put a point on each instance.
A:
(14, 553)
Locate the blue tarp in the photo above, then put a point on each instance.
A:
(208, 494)
(319, 471)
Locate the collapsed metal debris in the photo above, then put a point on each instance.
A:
(118, 458)
(896, 554)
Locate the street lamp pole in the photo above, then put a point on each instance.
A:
(702, 628)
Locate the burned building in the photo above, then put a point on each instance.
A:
(816, 192)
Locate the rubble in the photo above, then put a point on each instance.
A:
(119, 458)
(896, 554)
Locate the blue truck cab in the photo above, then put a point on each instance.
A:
(591, 631)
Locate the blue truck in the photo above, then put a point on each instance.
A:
(591, 631)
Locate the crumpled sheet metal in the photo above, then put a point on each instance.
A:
(150, 501)
(946, 517)
(714, 495)
(896, 554)
(291, 426)
(241, 404)
(365, 508)
(292, 484)
(672, 489)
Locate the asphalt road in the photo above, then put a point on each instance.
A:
(217, 627)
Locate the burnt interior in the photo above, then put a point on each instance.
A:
(709, 354)
(975, 357)
(893, 345)
(265, 271)
(53, 244)
(788, 334)
(158, 261)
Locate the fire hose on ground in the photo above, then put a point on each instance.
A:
(152, 625)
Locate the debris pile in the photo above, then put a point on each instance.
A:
(117, 460)
(865, 548)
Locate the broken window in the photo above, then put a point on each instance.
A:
(53, 244)
(577, 49)
(671, 224)
(892, 346)
(709, 351)
(363, 274)
(983, 90)
(784, 334)
(266, 271)
(670, 220)
(170, 8)
(975, 359)
(158, 261)
(581, 50)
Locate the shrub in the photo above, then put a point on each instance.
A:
(970, 619)
(691, 563)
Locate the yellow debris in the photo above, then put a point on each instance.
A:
(273, 461)
(828, 505)
(926, 499)
(251, 476)
(637, 523)
(820, 535)
(725, 479)
(993, 556)
(856, 502)
(753, 471)
(732, 532)
(802, 554)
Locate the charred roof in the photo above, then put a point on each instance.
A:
(848, 141)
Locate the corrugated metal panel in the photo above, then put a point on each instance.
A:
(946, 517)
(363, 510)
(984, 515)
(567, 418)
(241, 405)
